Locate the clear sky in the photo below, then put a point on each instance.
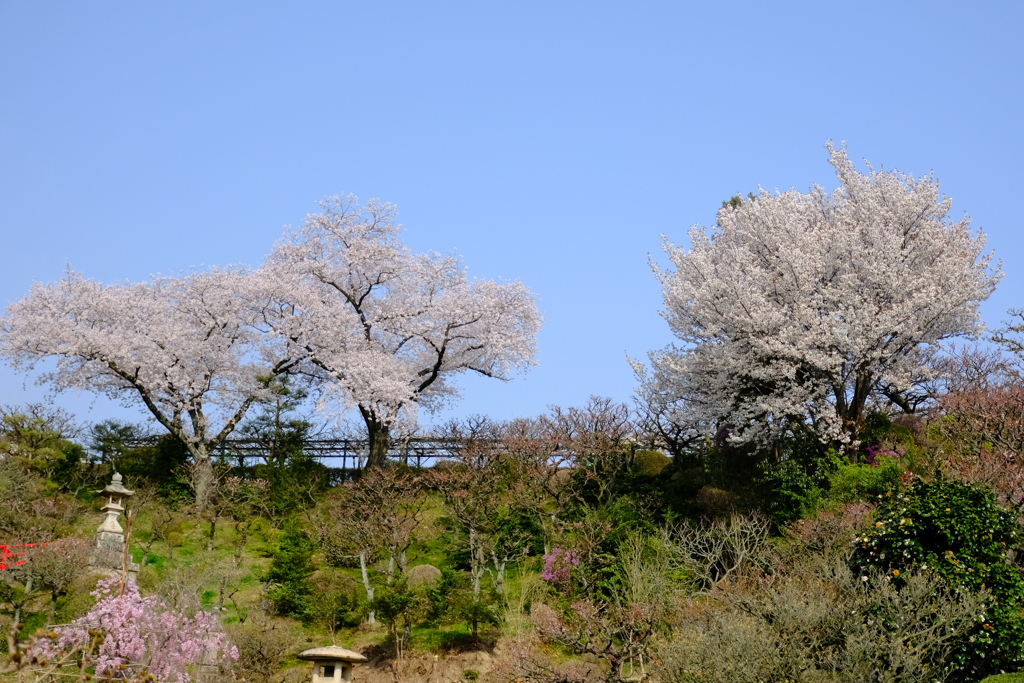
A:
(550, 142)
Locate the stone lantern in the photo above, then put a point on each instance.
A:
(332, 664)
(114, 492)
(110, 541)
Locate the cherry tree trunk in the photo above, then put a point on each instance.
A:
(379, 439)
(203, 483)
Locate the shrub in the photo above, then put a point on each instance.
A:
(793, 487)
(650, 463)
(958, 532)
(851, 483)
(818, 622)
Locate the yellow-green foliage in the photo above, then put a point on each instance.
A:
(650, 463)
(851, 483)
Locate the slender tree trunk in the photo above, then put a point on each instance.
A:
(53, 608)
(213, 530)
(145, 550)
(478, 564)
(17, 609)
(241, 537)
(499, 573)
(370, 617)
(220, 595)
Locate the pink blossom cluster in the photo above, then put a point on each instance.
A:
(875, 452)
(558, 566)
(145, 633)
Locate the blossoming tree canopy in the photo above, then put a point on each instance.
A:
(798, 307)
(187, 348)
(142, 635)
(384, 329)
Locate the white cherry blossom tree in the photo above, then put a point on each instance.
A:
(186, 348)
(383, 330)
(797, 308)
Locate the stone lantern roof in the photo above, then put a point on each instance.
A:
(332, 664)
(115, 488)
(331, 652)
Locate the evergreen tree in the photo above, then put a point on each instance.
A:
(290, 571)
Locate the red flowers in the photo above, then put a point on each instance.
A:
(6, 555)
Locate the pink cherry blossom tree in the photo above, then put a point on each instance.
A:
(383, 330)
(186, 348)
(798, 308)
(141, 635)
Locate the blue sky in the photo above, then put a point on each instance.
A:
(550, 142)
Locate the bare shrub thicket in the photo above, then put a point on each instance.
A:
(979, 426)
(818, 623)
(723, 550)
(263, 642)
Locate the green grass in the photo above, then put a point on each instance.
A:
(187, 564)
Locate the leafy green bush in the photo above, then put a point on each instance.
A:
(960, 533)
(852, 483)
(650, 463)
(393, 604)
(335, 602)
(794, 487)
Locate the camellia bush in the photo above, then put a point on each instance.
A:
(958, 532)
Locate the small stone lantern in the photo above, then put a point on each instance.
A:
(115, 492)
(332, 664)
(110, 541)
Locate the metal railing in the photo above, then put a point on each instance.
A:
(343, 454)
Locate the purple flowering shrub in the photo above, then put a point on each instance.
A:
(558, 568)
(873, 453)
(142, 635)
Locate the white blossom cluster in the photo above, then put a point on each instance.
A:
(382, 328)
(797, 308)
(341, 302)
(182, 346)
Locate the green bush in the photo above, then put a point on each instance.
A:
(960, 533)
(443, 596)
(852, 483)
(650, 463)
(794, 487)
(290, 571)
